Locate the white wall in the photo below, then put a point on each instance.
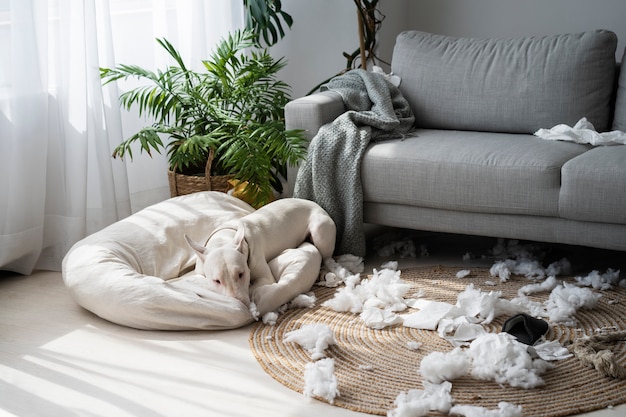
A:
(323, 29)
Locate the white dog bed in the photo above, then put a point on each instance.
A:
(138, 272)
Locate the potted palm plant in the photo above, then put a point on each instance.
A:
(224, 122)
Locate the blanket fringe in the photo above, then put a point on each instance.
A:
(595, 351)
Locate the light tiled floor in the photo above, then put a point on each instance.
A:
(57, 359)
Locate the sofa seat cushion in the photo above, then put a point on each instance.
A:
(468, 171)
(514, 85)
(593, 186)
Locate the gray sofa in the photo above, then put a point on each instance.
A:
(473, 165)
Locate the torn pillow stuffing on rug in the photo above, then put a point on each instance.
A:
(437, 367)
(566, 299)
(315, 338)
(582, 132)
(497, 357)
(384, 290)
(504, 410)
(320, 380)
(501, 358)
(417, 402)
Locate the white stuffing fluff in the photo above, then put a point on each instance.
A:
(320, 380)
(404, 248)
(547, 285)
(414, 345)
(600, 281)
(562, 267)
(270, 318)
(501, 358)
(518, 259)
(300, 301)
(497, 357)
(315, 338)
(416, 403)
(504, 410)
(529, 268)
(566, 299)
(463, 273)
(254, 311)
(303, 301)
(335, 272)
(384, 290)
(437, 367)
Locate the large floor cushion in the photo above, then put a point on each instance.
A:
(593, 186)
(468, 171)
(138, 272)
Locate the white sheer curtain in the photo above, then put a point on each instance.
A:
(58, 126)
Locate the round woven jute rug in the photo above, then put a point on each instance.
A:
(373, 366)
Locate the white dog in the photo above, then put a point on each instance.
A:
(236, 257)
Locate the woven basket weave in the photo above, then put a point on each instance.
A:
(181, 184)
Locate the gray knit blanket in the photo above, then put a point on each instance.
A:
(330, 176)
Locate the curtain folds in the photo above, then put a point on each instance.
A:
(58, 126)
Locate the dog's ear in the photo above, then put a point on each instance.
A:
(199, 249)
(240, 239)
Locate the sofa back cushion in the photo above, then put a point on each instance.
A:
(515, 85)
(619, 120)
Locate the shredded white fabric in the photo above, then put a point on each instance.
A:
(552, 350)
(582, 132)
(429, 315)
(320, 380)
(315, 338)
(485, 306)
(504, 410)
(460, 331)
(460, 323)
(416, 403)
(377, 318)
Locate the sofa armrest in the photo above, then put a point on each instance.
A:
(311, 112)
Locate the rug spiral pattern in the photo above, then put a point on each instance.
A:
(374, 366)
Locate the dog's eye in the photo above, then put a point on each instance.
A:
(241, 275)
(217, 281)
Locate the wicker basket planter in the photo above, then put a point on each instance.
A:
(181, 184)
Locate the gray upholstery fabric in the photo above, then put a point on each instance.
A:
(619, 116)
(507, 85)
(310, 112)
(509, 226)
(594, 186)
(472, 171)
